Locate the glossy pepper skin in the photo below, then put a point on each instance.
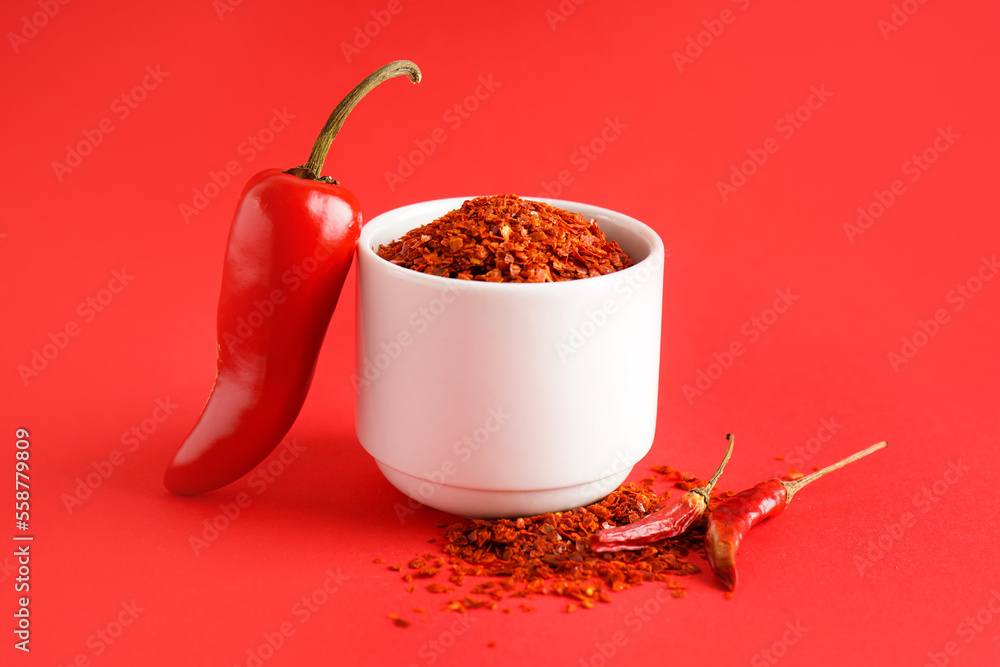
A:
(290, 247)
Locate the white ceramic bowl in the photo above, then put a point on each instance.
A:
(507, 399)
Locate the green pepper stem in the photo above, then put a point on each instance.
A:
(340, 113)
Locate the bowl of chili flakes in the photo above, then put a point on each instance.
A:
(507, 358)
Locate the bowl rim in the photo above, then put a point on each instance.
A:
(655, 255)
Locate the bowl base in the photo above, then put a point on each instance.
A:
(492, 504)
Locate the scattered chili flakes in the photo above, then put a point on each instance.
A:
(438, 588)
(398, 621)
(379, 560)
(503, 238)
(550, 554)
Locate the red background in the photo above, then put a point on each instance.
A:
(560, 73)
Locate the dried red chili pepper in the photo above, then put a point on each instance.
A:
(730, 520)
(291, 244)
(673, 520)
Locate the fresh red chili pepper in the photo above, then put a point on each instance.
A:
(290, 247)
(670, 521)
(730, 520)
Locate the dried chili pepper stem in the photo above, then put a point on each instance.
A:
(314, 166)
(732, 518)
(706, 491)
(671, 521)
(791, 487)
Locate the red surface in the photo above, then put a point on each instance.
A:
(812, 383)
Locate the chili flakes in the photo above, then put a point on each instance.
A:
(550, 554)
(503, 238)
